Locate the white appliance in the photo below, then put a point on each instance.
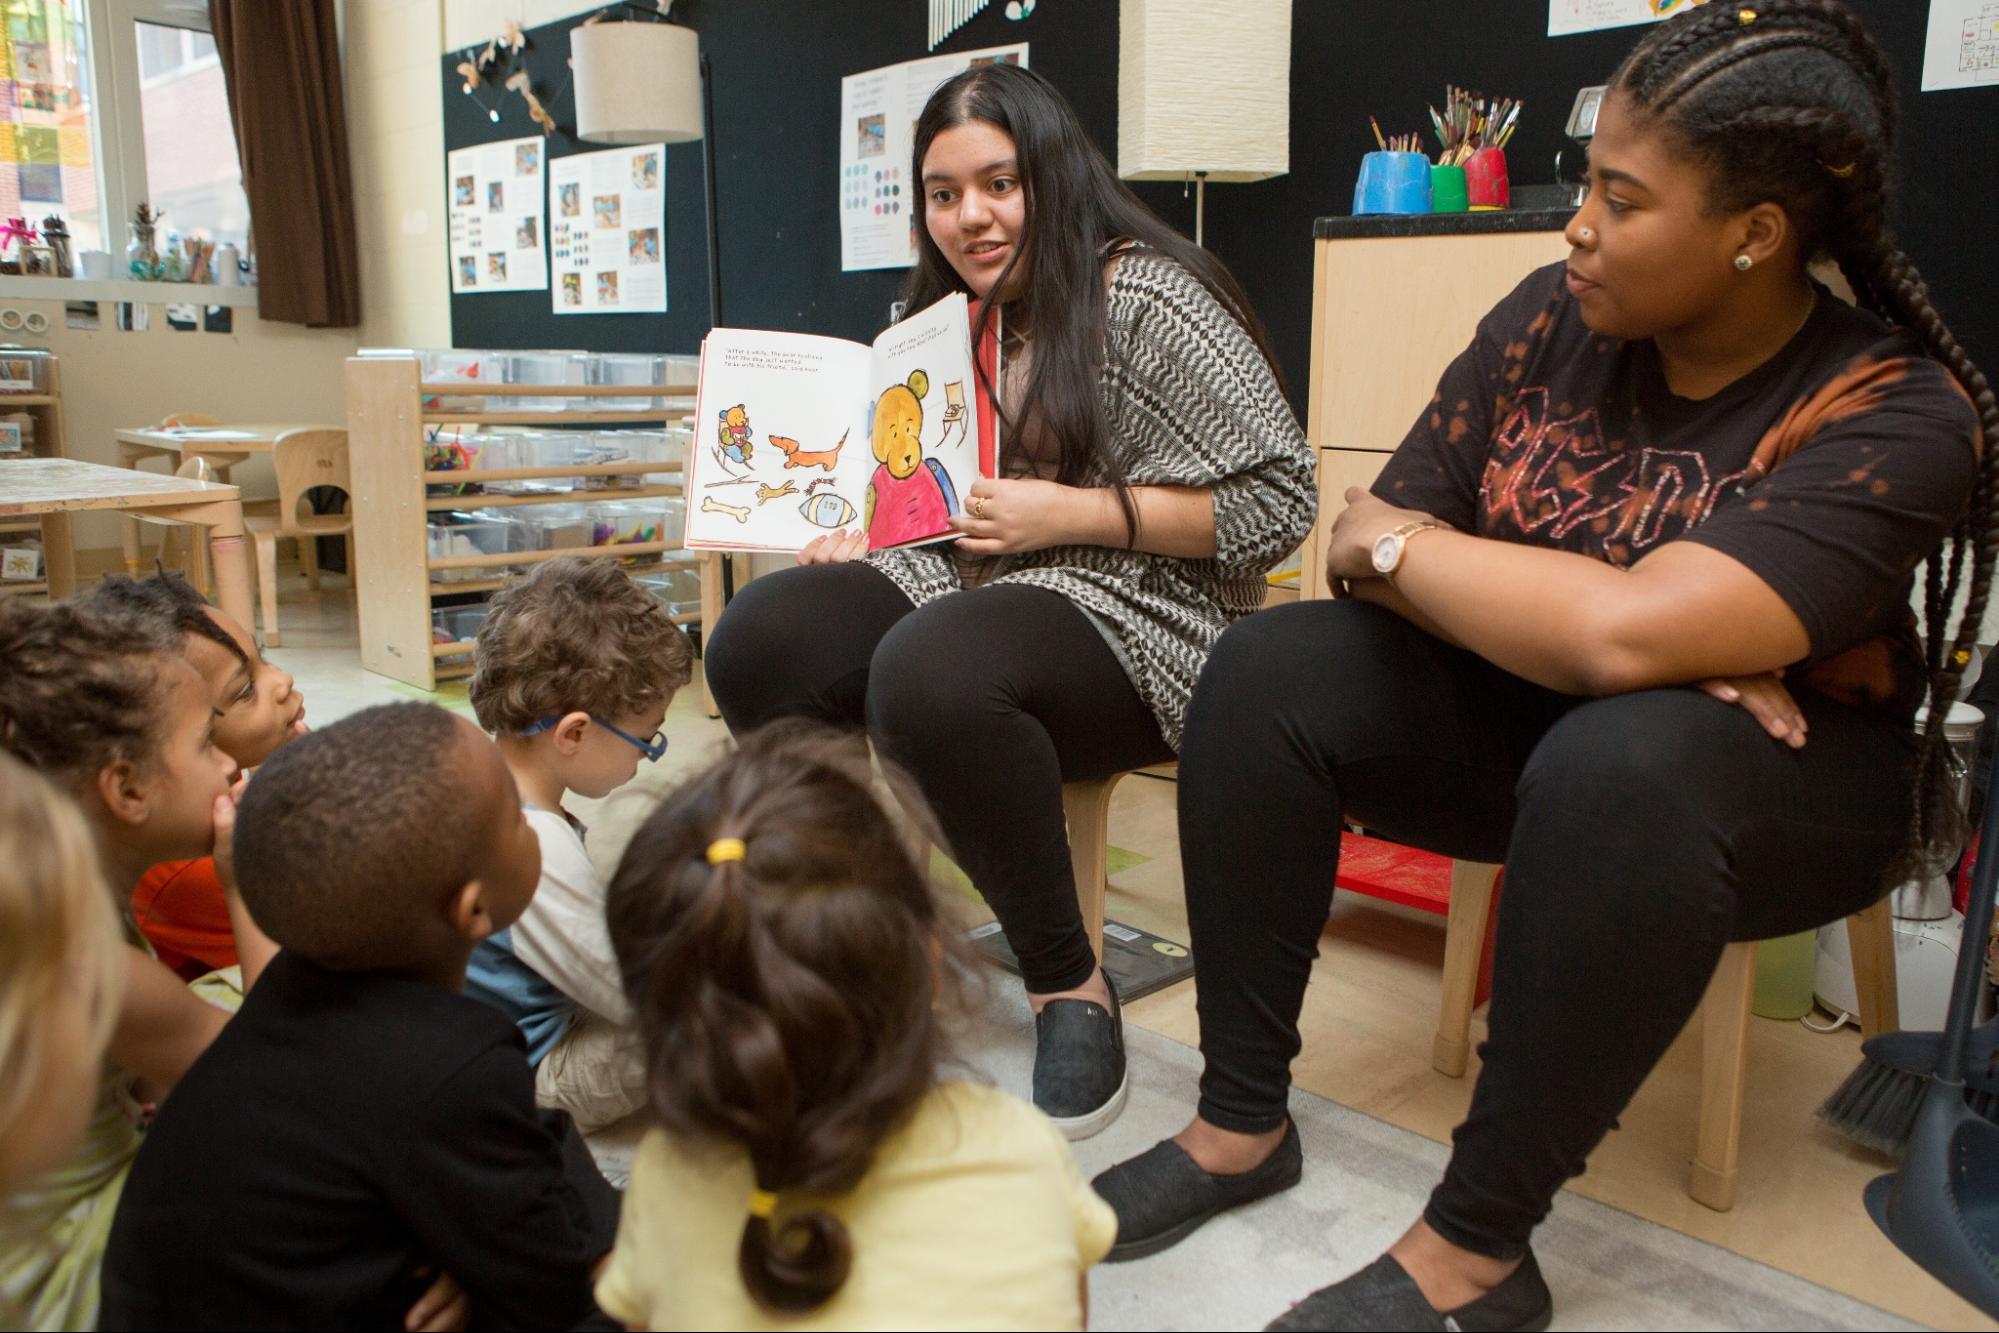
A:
(1925, 957)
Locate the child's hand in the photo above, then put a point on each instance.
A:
(223, 817)
(443, 1308)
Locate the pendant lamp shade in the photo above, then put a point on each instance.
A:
(637, 82)
(1204, 87)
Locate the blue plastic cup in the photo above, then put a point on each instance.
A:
(1392, 183)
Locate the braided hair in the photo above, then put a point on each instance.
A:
(1793, 102)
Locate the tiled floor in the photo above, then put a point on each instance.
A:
(1369, 1019)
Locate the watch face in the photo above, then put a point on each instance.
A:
(1387, 547)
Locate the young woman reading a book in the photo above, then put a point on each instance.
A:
(1661, 477)
(1151, 473)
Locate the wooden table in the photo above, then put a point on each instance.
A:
(222, 446)
(32, 487)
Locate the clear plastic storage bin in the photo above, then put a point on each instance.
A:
(456, 449)
(456, 534)
(677, 589)
(551, 367)
(23, 370)
(619, 522)
(456, 624)
(624, 368)
(552, 527)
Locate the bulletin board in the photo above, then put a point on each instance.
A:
(777, 103)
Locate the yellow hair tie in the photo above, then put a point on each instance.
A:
(1745, 17)
(762, 1202)
(726, 849)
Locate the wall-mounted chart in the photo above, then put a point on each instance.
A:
(499, 213)
(607, 231)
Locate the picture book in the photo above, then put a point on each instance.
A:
(797, 436)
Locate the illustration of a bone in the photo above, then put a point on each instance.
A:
(796, 457)
(765, 494)
(710, 505)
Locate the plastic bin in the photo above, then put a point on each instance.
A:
(618, 522)
(456, 449)
(537, 367)
(624, 368)
(456, 624)
(552, 527)
(458, 533)
(677, 589)
(540, 448)
(442, 365)
(23, 370)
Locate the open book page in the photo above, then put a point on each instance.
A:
(924, 427)
(780, 451)
(797, 436)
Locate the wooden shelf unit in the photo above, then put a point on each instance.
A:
(58, 548)
(396, 578)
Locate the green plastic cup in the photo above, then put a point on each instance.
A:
(1448, 193)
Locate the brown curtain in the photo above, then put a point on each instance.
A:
(281, 62)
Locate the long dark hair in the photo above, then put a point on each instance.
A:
(1793, 102)
(789, 999)
(1076, 206)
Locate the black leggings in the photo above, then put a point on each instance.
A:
(990, 699)
(1640, 834)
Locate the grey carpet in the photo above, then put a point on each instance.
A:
(1365, 1181)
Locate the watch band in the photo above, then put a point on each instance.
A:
(1402, 535)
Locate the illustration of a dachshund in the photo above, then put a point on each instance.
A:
(796, 457)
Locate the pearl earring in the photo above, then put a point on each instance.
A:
(1742, 263)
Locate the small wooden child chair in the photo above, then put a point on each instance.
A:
(302, 459)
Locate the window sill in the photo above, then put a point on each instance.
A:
(17, 288)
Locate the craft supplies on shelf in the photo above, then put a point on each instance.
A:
(31, 427)
(456, 495)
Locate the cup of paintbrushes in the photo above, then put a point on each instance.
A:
(1486, 185)
(1447, 189)
(1392, 183)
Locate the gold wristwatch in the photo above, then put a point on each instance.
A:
(1389, 546)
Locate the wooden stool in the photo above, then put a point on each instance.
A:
(1723, 1017)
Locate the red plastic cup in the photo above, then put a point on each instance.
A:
(1486, 185)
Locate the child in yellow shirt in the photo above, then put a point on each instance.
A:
(787, 966)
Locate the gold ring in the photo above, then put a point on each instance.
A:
(979, 507)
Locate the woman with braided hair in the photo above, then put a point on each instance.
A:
(1629, 611)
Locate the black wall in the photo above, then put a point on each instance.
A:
(778, 65)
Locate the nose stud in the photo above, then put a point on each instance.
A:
(1587, 233)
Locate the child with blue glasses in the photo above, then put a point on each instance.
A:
(577, 665)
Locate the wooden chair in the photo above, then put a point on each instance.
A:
(302, 459)
(1723, 1018)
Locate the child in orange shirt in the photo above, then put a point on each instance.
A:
(179, 906)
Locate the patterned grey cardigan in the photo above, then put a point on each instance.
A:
(1191, 402)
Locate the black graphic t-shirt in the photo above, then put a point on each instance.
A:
(1830, 471)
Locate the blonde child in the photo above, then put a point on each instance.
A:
(181, 907)
(576, 668)
(109, 712)
(786, 962)
(62, 971)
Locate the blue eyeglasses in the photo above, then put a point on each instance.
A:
(652, 748)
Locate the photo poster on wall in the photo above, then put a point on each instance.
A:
(880, 207)
(1567, 17)
(1962, 46)
(499, 216)
(607, 238)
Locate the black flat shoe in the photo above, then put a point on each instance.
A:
(1384, 1296)
(1080, 1080)
(1162, 1195)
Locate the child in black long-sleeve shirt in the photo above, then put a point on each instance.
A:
(360, 1124)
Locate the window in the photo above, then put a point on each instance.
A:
(192, 176)
(48, 120)
(107, 103)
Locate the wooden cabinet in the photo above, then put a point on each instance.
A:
(1388, 314)
(58, 549)
(398, 576)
